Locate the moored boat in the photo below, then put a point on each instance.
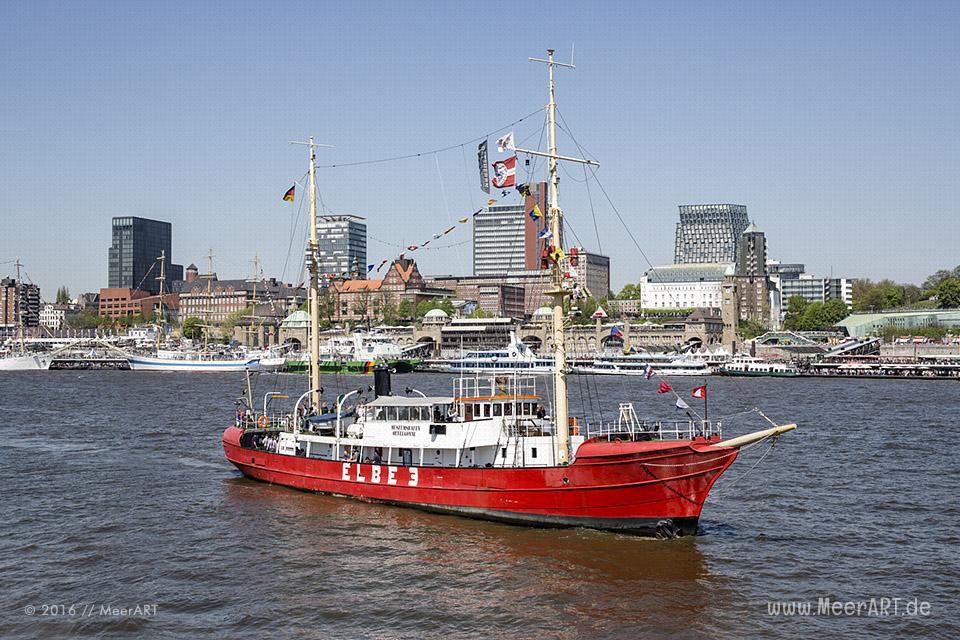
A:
(757, 367)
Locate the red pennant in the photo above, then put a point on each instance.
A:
(700, 392)
(664, 388)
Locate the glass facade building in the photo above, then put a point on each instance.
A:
(133, 258)
(499, 240)
(709, 233)
(342, 246)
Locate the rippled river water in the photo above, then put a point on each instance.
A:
(116, 494)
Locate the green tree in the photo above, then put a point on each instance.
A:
(192, 328)
(629, 292)
(479, 313)
(405, 310)
(795, 309)
(934, 280)
(750, 329)
(63, 295)
(948, 293)
(876, 296)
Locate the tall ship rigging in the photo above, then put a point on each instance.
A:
(493, 448)
(16, 357)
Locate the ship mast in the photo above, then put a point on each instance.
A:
(314, 267)
(163, 259)
(18, 309)
(557, 292)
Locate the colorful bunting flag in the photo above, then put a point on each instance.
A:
(535, 213)
(412, 247)
(615, 332)
(700, 392)
(681, 404)
(288, 196)
(523, 189)
(506, 143)
(648, 372)
(546, 234)
(369, 268)
(664, 388)
(489, 202)
(463, 220)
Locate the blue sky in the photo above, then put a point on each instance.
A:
(835, 123)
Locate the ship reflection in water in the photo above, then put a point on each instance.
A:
(467, 576)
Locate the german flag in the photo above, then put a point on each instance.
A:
(288, 196)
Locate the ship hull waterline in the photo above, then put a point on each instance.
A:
(654, 489)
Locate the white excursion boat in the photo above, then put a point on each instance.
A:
(517, 357)
(644, 364)
(743, 365)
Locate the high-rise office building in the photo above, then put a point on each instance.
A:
(19, 303)
(134, 257)
(342, 246)
(505, 236)
(709, 233)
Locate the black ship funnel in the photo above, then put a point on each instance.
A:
(381, 380)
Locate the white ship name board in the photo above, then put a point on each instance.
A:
(377, 475)
(402, 430)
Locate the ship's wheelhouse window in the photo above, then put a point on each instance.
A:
(438, 429)
(498, 409)
(486, 410)
(533, 452)
(508, 409)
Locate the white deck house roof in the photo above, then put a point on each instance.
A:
(409, 401)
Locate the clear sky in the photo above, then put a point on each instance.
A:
(836, 124)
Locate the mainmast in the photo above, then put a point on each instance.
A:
(162, 279)
(314, 267)
(18, 309)
(209, 306)
(558, 292)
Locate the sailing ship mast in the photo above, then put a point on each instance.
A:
(162, 279)
(314, 267)
(18, 309)
(558, 292)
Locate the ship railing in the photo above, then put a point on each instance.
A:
(480, 386)
(253, 421)
(654, 430)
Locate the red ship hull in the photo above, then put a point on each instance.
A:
(646, 488)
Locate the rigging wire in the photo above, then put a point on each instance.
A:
(432, 151)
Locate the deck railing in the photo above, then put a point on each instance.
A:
(654, 430)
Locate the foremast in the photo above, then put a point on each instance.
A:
(557, 293)
(314, 267)
(162, 278)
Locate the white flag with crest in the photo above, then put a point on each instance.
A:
(506, 143)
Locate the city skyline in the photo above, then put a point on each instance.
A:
(830, 123)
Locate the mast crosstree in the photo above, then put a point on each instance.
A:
(557, 292)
